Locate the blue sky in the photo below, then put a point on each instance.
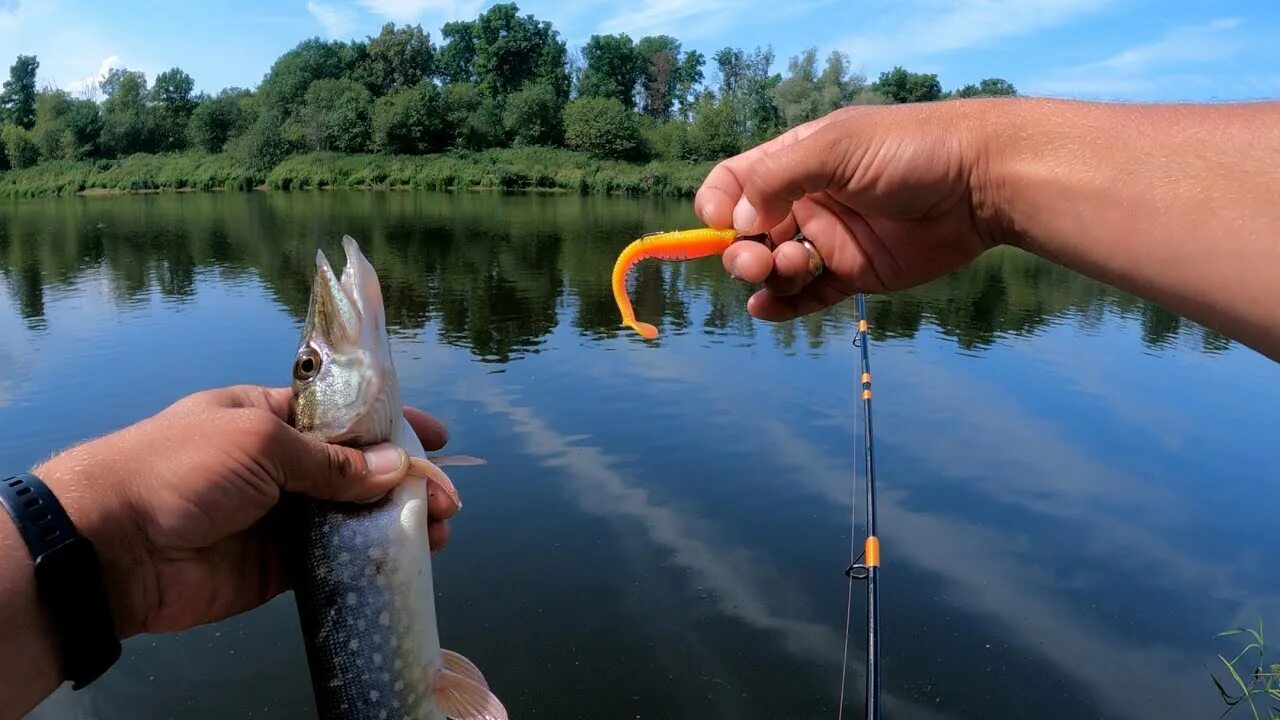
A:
(1141, 50)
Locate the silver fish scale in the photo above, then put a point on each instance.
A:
(363, 660)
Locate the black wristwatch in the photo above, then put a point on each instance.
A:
(68, 579)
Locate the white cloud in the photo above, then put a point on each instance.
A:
(338, 22)
(408, 11)
(1178, 59)
(673, 17)
(89, 83)
(929, 27)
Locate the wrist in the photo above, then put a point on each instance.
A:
(103, 514)
(995, 130)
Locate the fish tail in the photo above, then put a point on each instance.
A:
(462, 693)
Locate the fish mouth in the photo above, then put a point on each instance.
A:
(345, 310)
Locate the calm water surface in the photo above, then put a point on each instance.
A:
(1078, 489)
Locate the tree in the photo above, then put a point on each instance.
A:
(127, 125)
(218, 119)
(336, 115)
(901, 86)
(410, 121)
(457, 59)
(397, 60)
(661, 58)
(474, 118)
(534, 116)
(511, 50)
(745, 82)
(714, 133)
(613, 69)
(18, 97)
(988, 87)
(688, 78)
(805, 95)
(66, 128)
(603, 127)
(293, 72)
(173, 104)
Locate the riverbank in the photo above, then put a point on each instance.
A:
(503, 168)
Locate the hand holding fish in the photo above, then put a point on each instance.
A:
(180, 509)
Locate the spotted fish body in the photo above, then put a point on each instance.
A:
(362, 572)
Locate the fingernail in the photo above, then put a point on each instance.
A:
(745, 217)
(385, 459)
(736, 271)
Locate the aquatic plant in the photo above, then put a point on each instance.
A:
(1263, 678)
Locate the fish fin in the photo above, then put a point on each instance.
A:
(460, 697)
(455, 662)
(424, 468)
(460, 460)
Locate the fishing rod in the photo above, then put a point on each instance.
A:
(867, 565)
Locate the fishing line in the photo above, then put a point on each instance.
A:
(866, 566)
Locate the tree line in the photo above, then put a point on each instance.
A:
(500, 80)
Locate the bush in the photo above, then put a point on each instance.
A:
(475, 118)
(410, 121)
(603, 128)
(533, 116)
(335, 115)
(20, 147)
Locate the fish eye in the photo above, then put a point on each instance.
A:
(307, 366)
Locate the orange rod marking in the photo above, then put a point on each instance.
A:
(872, 550)
(674, 246)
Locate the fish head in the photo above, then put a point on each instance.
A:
(344, 384)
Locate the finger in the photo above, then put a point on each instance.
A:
(336, 472)
(748, 261)
(431, 431)
(791, 269)
(775, 180)
(818, 295)
(721, 190)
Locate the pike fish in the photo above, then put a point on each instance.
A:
(362, 571)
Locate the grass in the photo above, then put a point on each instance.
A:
(530, 168)
(1263, 677)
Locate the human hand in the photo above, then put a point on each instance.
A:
(179, 505)
(890, 196)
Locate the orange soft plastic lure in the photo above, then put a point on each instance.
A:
(675, 246)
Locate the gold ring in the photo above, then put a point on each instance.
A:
(816, 264)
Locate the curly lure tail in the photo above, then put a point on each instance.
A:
(676, 246)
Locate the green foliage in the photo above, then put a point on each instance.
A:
(660, 56)
(988, 87)
(336, 115)
(139, 173)
(265, 143)
(410, 121)
(614, 67)
(534, 116)
(500, 52)
(20, 147)
(748, 87)
(18, 96)
(901, 86)
(714, 134)
(1263, 676)
(292, 74)
(805, 95)
(474, 118)
(216, 120)
(127, 123)
(66, 128)
(602, 127)
(397, 60)
(172, 101)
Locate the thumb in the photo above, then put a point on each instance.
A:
(778, 178)
(336, 472)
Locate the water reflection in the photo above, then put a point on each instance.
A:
(493, 271)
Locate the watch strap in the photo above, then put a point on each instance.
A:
(68, 579)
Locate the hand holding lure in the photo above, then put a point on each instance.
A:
(676, 246)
